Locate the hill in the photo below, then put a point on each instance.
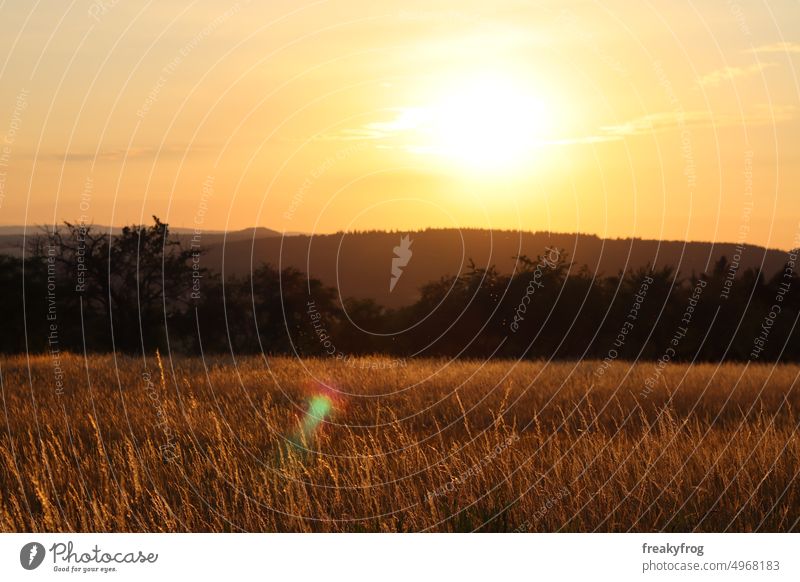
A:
(360, 264)
(12, 237)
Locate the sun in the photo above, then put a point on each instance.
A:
(485, 123)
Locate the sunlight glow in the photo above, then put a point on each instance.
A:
(486, 123)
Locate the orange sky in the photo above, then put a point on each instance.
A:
(659, 120)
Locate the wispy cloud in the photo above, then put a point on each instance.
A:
(399, 131)
(777, 47)
(396, 122)
(670, 120)
(582, 139)
(119, 154)
(660, 121)
(714, 78)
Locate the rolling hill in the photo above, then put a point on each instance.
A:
(359, 264)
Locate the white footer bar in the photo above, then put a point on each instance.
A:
(401, 557)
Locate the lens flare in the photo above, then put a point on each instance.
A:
(320, 407)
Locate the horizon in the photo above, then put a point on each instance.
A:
(188, 229)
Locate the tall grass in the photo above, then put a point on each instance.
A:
(430, 446)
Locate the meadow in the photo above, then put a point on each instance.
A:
(371, 444)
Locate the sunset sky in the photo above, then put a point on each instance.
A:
(673, 120)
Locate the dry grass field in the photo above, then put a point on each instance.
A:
(188, 445)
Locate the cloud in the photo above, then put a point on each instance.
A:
(398, 121)
(587, 139)
(778, 47)
(670, 120)
(660, 121)
(406, 121)
(120, 154)
(714, 78)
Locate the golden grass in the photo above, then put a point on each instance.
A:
(427, 446)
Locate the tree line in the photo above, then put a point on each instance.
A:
(77, 289)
